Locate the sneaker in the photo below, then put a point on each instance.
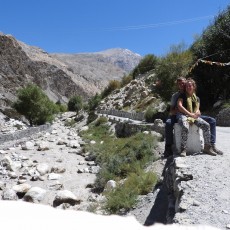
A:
(168, 151)
(183, 152)
(216, 150)
(209, 150)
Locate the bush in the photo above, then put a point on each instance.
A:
(146, 64)
(94, 102)
(124, 197)
(113, 84)
(149, 114)
(61, 107)
(100, 121)
(92, 116)
(35, 105)
(75, 104)
(126, 80)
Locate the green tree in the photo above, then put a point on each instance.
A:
(213, 45)
(75, 104)
(176, 63)
(33, 103)
(146, 64)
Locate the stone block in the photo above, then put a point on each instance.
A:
(195, 142)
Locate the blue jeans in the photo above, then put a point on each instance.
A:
(169, 129)
(212, 123)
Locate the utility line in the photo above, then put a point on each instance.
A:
(158, 24)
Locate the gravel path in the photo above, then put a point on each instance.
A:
(206, 198)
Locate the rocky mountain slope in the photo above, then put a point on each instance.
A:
(59, 75)
(100, 67)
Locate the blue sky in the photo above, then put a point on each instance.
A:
(76, 26)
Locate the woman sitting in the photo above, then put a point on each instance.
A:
(189, 111)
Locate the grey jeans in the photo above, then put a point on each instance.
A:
(182, 120)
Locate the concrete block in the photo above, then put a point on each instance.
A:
(195, 142)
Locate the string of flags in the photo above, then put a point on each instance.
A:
(209, 63)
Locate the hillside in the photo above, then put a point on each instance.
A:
(59, 75)
(100, 67)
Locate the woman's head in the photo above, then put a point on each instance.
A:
(190, 86)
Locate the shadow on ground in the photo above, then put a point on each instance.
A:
(159, 211)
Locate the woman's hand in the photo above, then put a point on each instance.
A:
(194, 115)
(198, 113)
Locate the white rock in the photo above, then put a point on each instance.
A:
(34, 195)
(21, 188)
(43, 168)
(28, 145)
(111, 184)
(53, 176)
(65, 196)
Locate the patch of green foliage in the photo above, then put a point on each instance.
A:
(149, 114)
(226, 104)
(175, 64)
(120, 158)
(147, 63)
(34, 104)
(113, 84)
(75, 104)
(125, 195)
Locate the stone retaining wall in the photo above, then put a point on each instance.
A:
(119, 113)
(23, 133)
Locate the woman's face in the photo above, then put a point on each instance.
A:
(190, 87)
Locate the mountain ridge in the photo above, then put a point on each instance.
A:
(78, 74)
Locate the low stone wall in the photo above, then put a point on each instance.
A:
(23, 133)
(119, 113)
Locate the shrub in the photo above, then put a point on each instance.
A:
(100, 121)
(126, 80)
(75, 104)
(113, 84)
(61, 107)
(124, 197)
(149, 114)
(146, 64)
(92, 116)
(35, 105)
(94, 102)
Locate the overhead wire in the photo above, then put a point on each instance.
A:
(146, 26)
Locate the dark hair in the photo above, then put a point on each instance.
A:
(180, 79)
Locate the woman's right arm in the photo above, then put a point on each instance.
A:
(183, 110)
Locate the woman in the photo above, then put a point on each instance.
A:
(189, 111)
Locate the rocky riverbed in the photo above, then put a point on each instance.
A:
(49, 169)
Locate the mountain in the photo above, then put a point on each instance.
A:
(59, 75)
(100, 67)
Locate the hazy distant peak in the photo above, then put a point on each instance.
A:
(121, 51)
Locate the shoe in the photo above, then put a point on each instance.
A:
(168, 151)
(209, 150)
(216, 150)
(183, 152)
